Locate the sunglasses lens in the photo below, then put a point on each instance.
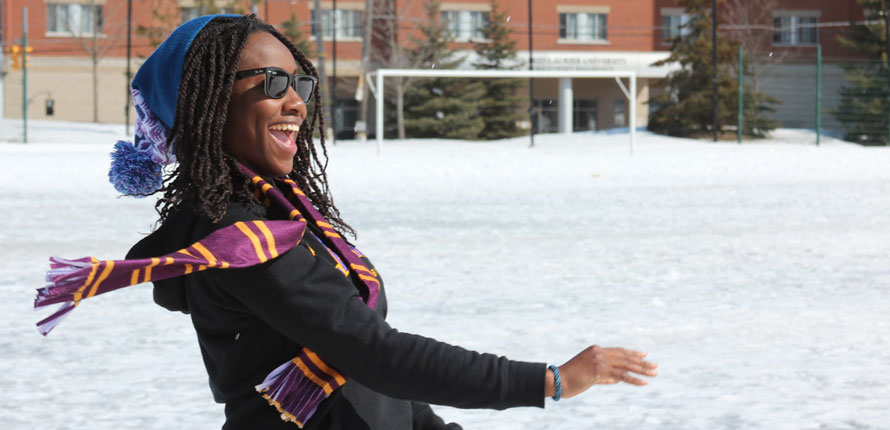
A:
(304, 86)
(277, 85)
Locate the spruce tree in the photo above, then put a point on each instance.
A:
(444, 108)
(295, 35)
(685, 107)
(865, 102)
(440, 107)
(499, 107)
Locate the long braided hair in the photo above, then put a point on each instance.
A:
(205, 179)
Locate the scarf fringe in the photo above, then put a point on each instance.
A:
(47, 324)
(285, 388)
(66, 277)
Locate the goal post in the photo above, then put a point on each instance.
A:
(380, 74)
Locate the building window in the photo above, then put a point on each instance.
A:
(349, 24)
(582, 26)
(465, 24)
(74, 18)
(546, 116)
(674, 25)
(620, 117)
(584, 112)
(795, 29)
(189, 13)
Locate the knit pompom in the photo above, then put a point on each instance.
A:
(133, 172)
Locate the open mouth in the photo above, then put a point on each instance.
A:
(285, 134)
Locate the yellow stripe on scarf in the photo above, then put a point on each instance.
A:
(154, 262)
(257, 247)
(313, 377)
(211, 260)
(270, 240)
(324, 367)
(109, 265)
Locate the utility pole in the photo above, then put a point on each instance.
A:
(319, 46)
(334, 66)
(531, 81)
(366, 65)
(887, 28)
(25, 74)
(714, 65)
(129, 73)
(887, 59)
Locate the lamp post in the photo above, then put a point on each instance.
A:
(714, 65)
(129, 72)
(531, 81)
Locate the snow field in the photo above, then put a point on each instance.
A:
(755, 275)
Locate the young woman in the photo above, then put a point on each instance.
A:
(250, 246)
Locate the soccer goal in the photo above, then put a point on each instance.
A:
(380, 74)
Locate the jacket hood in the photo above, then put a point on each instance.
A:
(171, 236)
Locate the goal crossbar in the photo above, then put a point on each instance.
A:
(380, 74)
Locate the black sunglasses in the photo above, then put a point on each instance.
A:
(277, 81)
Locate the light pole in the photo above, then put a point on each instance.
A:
(129, 72)
(531, 81)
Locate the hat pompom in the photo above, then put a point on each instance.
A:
(133, 172)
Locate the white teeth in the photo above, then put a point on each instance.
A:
(285, 127)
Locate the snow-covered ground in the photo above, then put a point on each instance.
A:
(757, 276)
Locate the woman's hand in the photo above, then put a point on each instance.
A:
(598, 365)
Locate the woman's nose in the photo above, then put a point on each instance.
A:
(293, 104)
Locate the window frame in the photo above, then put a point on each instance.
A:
(342, 36)
(622, 112)
(475, 20)
(596, 22)
(584, 108)
(793, 36)
(53, 20)
(674, 13)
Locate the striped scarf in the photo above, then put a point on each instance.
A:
(295, 388)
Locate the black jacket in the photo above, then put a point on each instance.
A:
(251, 320)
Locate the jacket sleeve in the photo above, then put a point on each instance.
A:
(310, 302)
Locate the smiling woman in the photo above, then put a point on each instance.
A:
(260, 129)
(290, 316)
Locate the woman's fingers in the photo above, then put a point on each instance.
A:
(639, 366)
(633, 380)
(646, 369)
(625, 361)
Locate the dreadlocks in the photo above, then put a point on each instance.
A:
(205, 178)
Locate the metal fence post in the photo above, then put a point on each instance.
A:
(741, 89)
(818, 93)
(25, 74)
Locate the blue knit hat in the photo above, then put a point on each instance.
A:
(137, 167)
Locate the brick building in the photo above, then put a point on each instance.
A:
(71, 37)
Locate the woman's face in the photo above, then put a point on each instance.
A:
(260, 131)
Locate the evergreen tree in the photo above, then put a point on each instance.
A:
(293, 33)
(499, 106)
(440, 107)
(446, 108)
(865, 103)
(685, 107)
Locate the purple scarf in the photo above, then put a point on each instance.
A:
(295, 388)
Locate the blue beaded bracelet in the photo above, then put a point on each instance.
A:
(557, 382)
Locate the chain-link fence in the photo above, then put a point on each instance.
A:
(843, 98)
